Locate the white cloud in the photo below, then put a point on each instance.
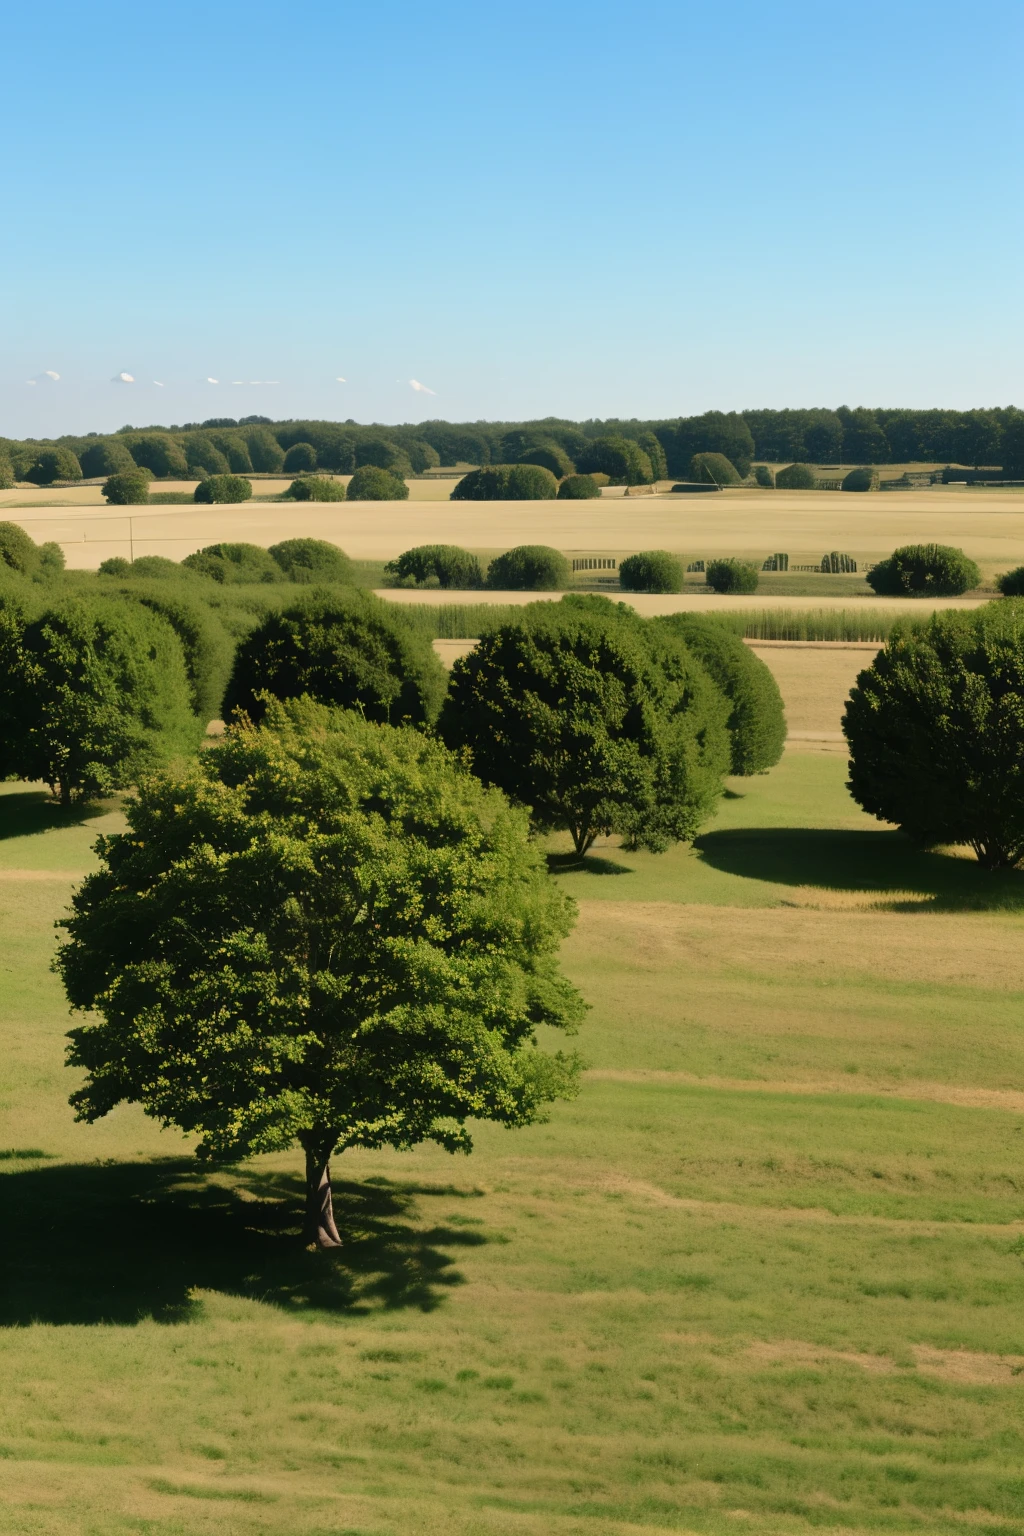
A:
(340, 380)
(123, 378)
(159, 383)
(213, 381)
(46, 377)
(421, 388)
(49, 374)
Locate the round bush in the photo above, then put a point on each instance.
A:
(796, 477)
(450, 566)
(349, 649)
(489, 483)
(529, 568)
(232, 564)
(300, 456)
(936, 732)
(654, 570)
(861, 479)
(924, 570)
(316, 488)
(117, 565)
(531, 482)
(731, 576)
(620, 458)
(372, 484)
(765, 476)
(757, 723)
(52, 464)
(310, 560)
(17, 551)
(223, 488)
(578, 488)
(128, 488)
(107, 457)
(713, 469)
(548, 456)
(1012, 583)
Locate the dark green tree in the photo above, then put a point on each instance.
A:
(796, 477)
(316, 488)
(128, 488)
(380, 453)
(223, 488)
(548, 455)
(234, 564)
(1011, 584)
(372, 484)
(924, 570)
(6, 469)
(578, 488)
(529, 568)
(620, 458)
(653, 570)
(202, 453)
(52, 464)
(160, 453)
(106, 456)
(447, 564)
(421, 456)
(1013, 443)
(300, 458)
(757, 724)
(862, 479)
(325, 932)
(731, 576)
(650, 445)
(313, 560)
(765, 476)
(17, 551)
(936, 732)
(713, 469)
(265, 452)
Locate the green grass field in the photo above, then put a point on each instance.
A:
(766, 1274)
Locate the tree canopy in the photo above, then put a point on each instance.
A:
(370, 483)
(312, 560)
(756, 724)
(52, 464)
(323, 932)
(128, 488)
(924, 570)
(232, 564)
(653, 570)
(223, 488)
(316, 488)
(447, 564)
(529, 568)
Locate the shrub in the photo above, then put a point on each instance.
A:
(529, 568)
(756, 724)
(593, 721)
(713, 469)
(369, 483)
(1012, 583)
(650, 445)
(924, 570)
(128, 488)
(654, 570)
(531, 482)
(382, 454)
(300, 457)
(51, 464)
(106, 457)
(309, 560)
(51, 559)
(17, 551)
(422, 456)
(620, 458)
(160, 453)
(796, 477)
(451, 566)
(117, 565)
(549, 456)
(936, 732)
(316, 488)
(489, 483)
(223, 488)
(861, 479)
(158, 567)
(234, 564)
(6, 470)
(203, 455)
(578, 488)
(349, 649)
(765, 475)
(731, 576)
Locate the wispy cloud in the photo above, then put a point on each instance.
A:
(213, 381)
(421, 389)
(340, 380)
(159, 383)
(46, 377)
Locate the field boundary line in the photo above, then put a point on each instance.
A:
(1010, 1099)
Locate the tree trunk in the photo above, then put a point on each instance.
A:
(320, 1228)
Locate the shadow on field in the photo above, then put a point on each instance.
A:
(862, 861)
(120, 1242)
(28, 811)
(589, 864)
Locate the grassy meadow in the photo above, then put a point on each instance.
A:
(765, 1274)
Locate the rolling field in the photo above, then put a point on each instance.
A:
(765, 1274)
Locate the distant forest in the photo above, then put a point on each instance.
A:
(976, 438)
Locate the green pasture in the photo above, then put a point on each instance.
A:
(765, 1274)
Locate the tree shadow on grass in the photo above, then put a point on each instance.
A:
(28, 811)
(845, 860)
(589, 864)
(121, 1242)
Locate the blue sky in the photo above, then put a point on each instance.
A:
(583, 210)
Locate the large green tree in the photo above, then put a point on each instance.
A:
(324, 932)
(757, 723)
(595, 722)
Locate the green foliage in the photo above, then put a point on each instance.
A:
(650, 445)
(374, 934)
(6, 469)
(1013, 443)
(97, 693)
(489, 483)
(548, 455)
(936, 732)
(731, 576)
(265, 453)
(128, 488)
(310, 560)
(106, 456)
(765, 476)
(446, 564)
(223, 488)
(620, 458)
(653, 570)
(529, 568)
(316, 488)
(714, 432)
(299, 458)
(17, 551)
(161, 453)
(234, 449)
(860, 479)
(531, 482)
(234, 563)
(924, 570)
(756, 724)
(206, 647)
(382, 454)
(713, 469)
(159, 568)
(796, 477)
(202, 453)
(1011, 584)
(346, 648)
(52, 464)
(578, 488)
(369, 483)
(594, 721)
(117, 565)
(421, 456)
(52, 560)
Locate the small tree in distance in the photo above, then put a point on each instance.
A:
(529, 568)
(128, 488)
(578, 488)
(316, 488)
(374, 934)
(450, 566)
(731, 576)
(369, 483)
(300, 458)
(924, 570)
(223, 488)
(713, 469)
(52, 464)
(653, 570)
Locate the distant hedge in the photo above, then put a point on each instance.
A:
(449, 565)
(924, 570)
(578, 488)
(217, 488)
(1012, 583)
(796, 477)
(731, 576)
(713, 469)
(312, 560)
(860, 479)
(757, 723)
(316, 488)
(529, 568)
(128, 488)
(653, 570)
(372, 484)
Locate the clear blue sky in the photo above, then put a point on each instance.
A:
(586, 210)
